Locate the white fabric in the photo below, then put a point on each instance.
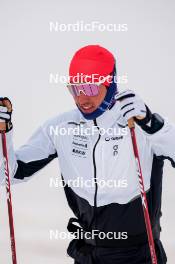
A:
(3, 113)
(131, 106)
(73, 164)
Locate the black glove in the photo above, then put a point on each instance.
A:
(5, 114)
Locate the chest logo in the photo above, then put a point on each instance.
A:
(115, 150)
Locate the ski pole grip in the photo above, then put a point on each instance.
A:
(131, 123)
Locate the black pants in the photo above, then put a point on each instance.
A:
(87, 254)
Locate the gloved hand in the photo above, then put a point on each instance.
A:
(5, 114)
(133, 106)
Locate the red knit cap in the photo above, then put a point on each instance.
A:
(91, 64)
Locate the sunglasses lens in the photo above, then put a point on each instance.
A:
(92, 89)
(86, 89)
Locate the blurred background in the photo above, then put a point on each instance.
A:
(31, 51)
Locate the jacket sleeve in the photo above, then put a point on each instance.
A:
(161, 134)
(30, 158)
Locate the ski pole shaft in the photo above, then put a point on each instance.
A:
(131, 126)
(9, 199)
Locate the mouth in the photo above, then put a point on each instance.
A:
(88, 108)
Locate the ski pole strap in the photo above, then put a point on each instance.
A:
(71, 227)
(131, 241)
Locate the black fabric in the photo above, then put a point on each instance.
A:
(85, 254)
(27, 169)
(126, 105)
(71, 227)
(155, 197)
(81, 252)
(131, 241)
(125, 96)
(157, 123)
(106, 216)
(168, 158)
(121, 217)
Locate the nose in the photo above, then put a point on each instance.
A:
(82, 98)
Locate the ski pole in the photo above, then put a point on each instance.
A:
(9, 199)
(131, 126)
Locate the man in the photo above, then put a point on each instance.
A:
(111, 209)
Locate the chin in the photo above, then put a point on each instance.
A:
(88, 111)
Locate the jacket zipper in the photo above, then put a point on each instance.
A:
(95, 178)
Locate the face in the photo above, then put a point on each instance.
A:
(89, 104)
